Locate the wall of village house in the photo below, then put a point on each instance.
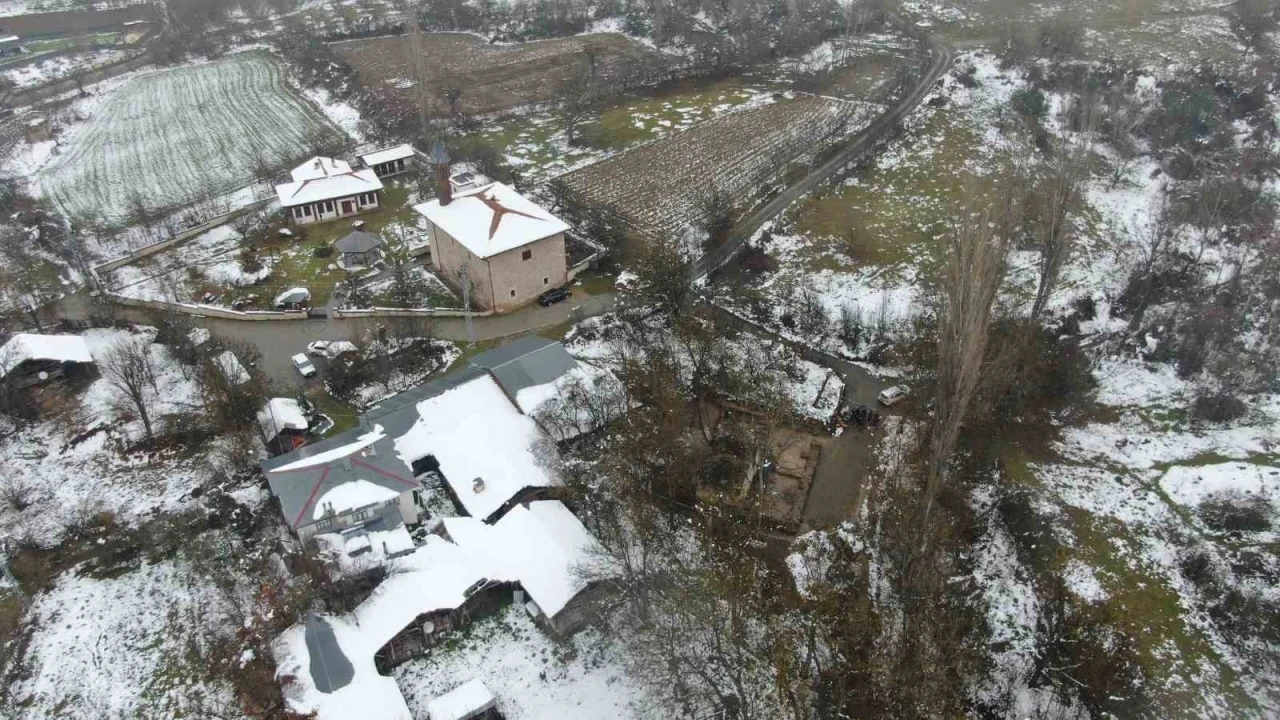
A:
(517, 281)
(409, 513)
(332, 209)
(448, 256)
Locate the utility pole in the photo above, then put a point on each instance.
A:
(466, 302)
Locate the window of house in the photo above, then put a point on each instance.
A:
(328, 206)
(306, 210)
(324, 523)
(359, 515)
(546, 281)
(513, 293)
(526, 255)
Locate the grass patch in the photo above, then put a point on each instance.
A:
(593, 282)
(890, 216)
(344, 416)
(1171, 651)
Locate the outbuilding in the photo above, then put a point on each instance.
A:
(390, 161)
(358, 249)
(469, 701)
(28, 359)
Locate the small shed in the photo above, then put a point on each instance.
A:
(10, 44)
(468, 701)
(390, 161)
(284, 424)
(358, 249)
(28, 359)
(293, 298)
(35, 128)
(231, 368)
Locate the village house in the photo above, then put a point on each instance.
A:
(533, 556)
(391, 161)
(509, 249)
(476, 428)
(326, 189)
(27, 358)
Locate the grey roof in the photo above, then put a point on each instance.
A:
(298, 490)
(523, 363)
(330, 668)
(358, 242)
(439, 156)
(527, 362)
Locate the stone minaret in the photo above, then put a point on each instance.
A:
(440, 162)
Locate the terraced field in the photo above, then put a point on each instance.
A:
(657, 188)
(492, 77)
(172, 137)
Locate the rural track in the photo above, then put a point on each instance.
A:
(856, 148)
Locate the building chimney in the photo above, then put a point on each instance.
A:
(440, 161)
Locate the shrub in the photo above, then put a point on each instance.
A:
(322, 250)
(1234, 511)
(1086, 307)
(249, 261)
(1218, 407)
(1030, 103)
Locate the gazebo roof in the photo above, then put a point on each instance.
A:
(358, 241)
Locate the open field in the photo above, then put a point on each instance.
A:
(966, 20)
(656, 188)
(491, 77)
(165, 139)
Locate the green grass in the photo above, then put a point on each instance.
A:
(296, 264)
(890, 216)
(343, 415)
(535, 141)
(1170, 649)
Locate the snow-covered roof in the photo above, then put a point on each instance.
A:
(280, 414)
(29, 346)
(358, 493)
(465, 701)
(322, 178)
(198, 336)
(9, 38)
(377, 157)
(230, 366)
(358, 241)
(529, 361)
(475, 432)
(583, 399)
(540, 546)
(492, 219)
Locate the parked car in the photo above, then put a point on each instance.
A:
(303, 364)
(553, 296)
(894, 395)
(330, 348)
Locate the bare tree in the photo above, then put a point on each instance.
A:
(1055, 202)
(129, 368)
(976, 263)
(1152, 243)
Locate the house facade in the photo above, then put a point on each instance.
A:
(509, 249)
(325, 189)
(391, 161)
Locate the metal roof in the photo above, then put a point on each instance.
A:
(358, 241)
(527, 362)
(439, 156)
(330, 668)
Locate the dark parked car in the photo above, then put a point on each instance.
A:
(553, 296)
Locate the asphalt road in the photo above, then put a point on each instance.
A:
(856, 147)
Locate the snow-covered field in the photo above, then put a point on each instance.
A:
(118, 647)
(171, 137)
(167, 275)
(532, 677)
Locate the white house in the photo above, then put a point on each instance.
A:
(390, 161)
(326, 189)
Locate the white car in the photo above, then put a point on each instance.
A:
(894, 395)
(329, 348)
(303, 364)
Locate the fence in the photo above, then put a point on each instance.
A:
(206, 310)
(378, 312)
(187, 234)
